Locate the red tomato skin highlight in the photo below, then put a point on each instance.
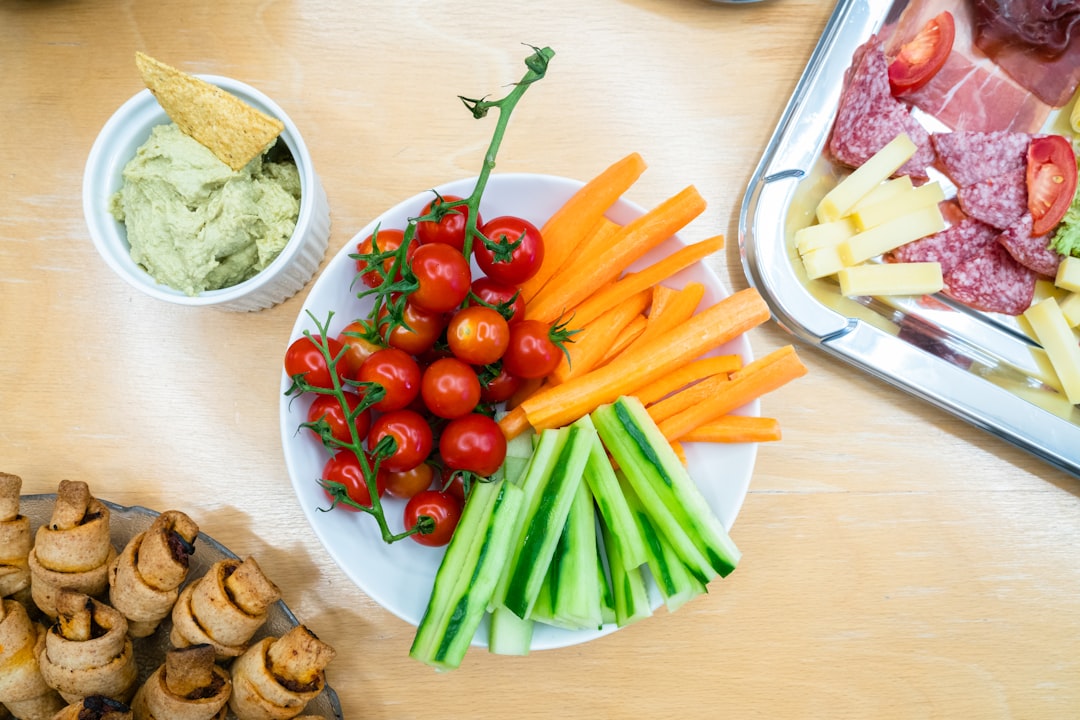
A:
(411, 432)
(478, 335)
(451, 229)
(397, 372)
(441, 507)
(343, 467)
(473, 442)
(450, 388)
(304, 357)
(524, 260)
(1051, 181)
(443, 276)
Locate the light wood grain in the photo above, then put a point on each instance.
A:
(898, 563)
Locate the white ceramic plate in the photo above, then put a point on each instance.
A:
(127, 522)
(400, 576)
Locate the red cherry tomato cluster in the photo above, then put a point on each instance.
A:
(441, 349)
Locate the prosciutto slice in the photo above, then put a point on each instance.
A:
(1037, 42)
(971, 92)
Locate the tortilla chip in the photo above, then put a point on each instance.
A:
(233, 130)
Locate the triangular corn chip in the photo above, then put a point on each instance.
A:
(233, 130)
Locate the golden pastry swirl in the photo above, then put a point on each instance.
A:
(187, 686)
(15, 541)
(276, 678)
(23, 688)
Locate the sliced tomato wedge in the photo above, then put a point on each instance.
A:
(921, 57)
(1051, 181)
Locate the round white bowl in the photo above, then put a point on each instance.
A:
(127, 129)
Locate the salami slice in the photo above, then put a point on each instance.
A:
(970, 157)
(869, 116)
(948, 247)
(992, 281)
(999, 200)
(1031, 251)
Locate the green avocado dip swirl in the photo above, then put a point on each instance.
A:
(194, 223)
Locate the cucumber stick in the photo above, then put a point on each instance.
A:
(474, 561)
(570, 595)
(600, 477)
(665, 488)
(628, 587)
(675, 583)
(508, 634)
(550, 485)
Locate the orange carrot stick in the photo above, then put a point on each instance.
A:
(563, 230)
(591, 342)
(712, 327)
(613, 294)
(688, 374)
(622, 341)
(675, 308)
(736, 429)
(713, 398)
(569, 287)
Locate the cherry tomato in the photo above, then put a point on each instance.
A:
(477, 334)
(450, 388)
(443, 509)
(357, 349)
(513, 251)
(305, 358)
(531, 352)
(397, 372)
(505, 298)
(388, 240)
(920, 58)
(1051, 181)
(424, 329)
(450, 229)
(406, 483)
(443, 276)
(329, 409)
(344, 468)
(473, 442)
(411, 433)
(499, 388)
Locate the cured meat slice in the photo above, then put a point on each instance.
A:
(948, 247)
(970, 92)
(992, 281)
(968, 157)
(1031, 251)
(869, 116)
(1037, 42)
(997, 201)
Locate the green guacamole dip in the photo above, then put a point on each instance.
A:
(193, 222)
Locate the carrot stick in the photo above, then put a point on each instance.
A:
(736, 429)
(709, 329)
(611, 295)
(594, 242)
(622, 341)
(688, 374)
(713, 398)
(528, 387)
(675, 308)
(569, 287)
(592, 341)
(562, 232)
(514, 422)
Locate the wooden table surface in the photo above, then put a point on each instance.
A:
(898, 563)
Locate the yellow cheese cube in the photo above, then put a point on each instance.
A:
(823, 235)
(882, 212)
(920, 278)
(891, 235)
(1068, 274)
(1070, 308)
(822, 262)
(1057, 338)
(838, 202)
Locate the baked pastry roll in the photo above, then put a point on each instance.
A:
(187, 686)
(276, 678)
(87, 650)
(95, 707)
(23, 688)
(73, 551)
(145, 579)
(15, 541)
(224, 607)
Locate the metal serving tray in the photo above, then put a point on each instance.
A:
(982, 368)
